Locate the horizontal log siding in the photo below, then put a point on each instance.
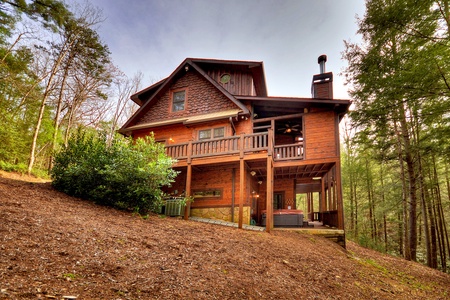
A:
(179, 133)
(320, 135)
(217, 178)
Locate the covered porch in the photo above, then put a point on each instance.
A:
(267, 177)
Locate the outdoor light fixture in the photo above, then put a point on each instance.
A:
(316, 178)
(253, 173)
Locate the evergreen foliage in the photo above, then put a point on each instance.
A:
(396, 165)
(124, 174)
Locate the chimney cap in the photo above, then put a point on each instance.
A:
(322, 58)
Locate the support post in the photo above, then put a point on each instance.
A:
(329, 195)
(323, 202)
(340, 204)
(187, 208)
(241, 191)
(269, 187)
(308, 206)
(233, 190)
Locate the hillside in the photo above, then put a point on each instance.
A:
(52, 246)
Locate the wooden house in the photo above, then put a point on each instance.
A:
(245, 156)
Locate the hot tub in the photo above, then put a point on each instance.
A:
(285, 218)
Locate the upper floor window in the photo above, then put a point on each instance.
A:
(178, 100)
(211, 133)
(225, 78)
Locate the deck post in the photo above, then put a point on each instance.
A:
(340, 204)
(329, 196)
(187, 208)
(269, 188)
(241, 191)
(323, 202)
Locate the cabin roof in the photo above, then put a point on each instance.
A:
(147, 95)
(275, 106)
(263, 105)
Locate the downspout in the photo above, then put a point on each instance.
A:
(232, 126)
(233, 182)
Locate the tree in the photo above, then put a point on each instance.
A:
(80, 51)
(400, 84)
(126, 174)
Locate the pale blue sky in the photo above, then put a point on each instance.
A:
(155, 36)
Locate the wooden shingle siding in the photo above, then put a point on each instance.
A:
(320, 135)
(202, 98)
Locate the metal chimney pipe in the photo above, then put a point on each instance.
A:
(321, 61)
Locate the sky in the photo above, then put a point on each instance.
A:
(155, 36)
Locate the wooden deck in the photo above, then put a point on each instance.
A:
(317, 229)
(333, 234)
(243, 145)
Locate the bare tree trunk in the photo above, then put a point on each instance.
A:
(370, 200)
(48, 88)
(356, 215)
(404, 226)
(383, 200)
(425, 214)
(440, 222)
(412, 205)
(58, 112)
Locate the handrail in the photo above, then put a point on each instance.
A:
(291, 151)
(217, 146)
(254, 142)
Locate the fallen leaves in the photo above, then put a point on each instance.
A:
(53, 246)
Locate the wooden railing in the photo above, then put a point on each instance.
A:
(221, 146)
(255, 142)
(291, 151)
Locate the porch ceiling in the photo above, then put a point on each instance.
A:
(302, 173)
(299, 172)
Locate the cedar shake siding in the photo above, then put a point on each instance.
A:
(201, 98)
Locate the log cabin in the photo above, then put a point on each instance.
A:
(242, 155)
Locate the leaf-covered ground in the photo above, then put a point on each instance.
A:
(53, 246)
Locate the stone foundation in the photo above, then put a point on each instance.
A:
(221, 213)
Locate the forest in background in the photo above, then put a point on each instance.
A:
(396, 142)
(56, 74)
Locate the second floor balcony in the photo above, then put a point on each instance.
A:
(239, 145)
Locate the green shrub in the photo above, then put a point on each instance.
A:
(124, 174)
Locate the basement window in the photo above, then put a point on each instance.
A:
(207, 194)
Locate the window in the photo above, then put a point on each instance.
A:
(207, 194)
(211, 133)
(178, 100)
(219, 132)
(225, 78)
(204, 134)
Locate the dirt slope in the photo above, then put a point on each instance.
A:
(52, 246)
